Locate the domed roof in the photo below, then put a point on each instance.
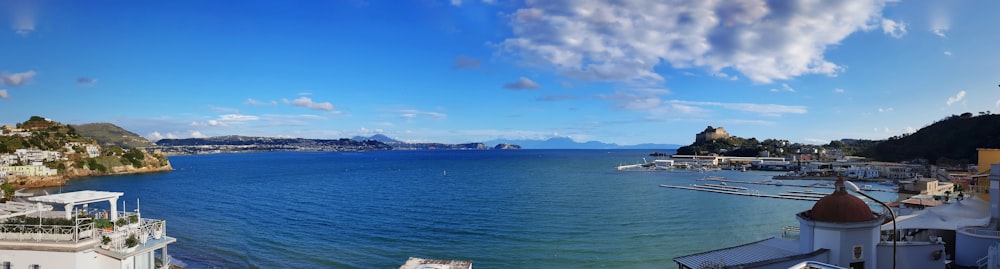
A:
(841, 206)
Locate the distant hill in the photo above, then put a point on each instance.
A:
(108, 135)
(378, 137)
(567, 143)
(948, 141)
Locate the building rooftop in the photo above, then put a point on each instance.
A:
(77, 197)
(767, 249)
(841, 206)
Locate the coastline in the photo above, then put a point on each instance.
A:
(61, 180)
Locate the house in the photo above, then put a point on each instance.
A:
(85, 239)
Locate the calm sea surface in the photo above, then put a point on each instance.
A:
(500, 209)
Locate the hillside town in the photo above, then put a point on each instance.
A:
(41, 152)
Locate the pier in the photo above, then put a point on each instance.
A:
(779, 183)
(743, 193)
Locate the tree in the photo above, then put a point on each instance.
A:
(8, 190)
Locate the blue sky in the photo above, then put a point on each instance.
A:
(453, 71)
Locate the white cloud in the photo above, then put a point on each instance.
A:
(625, 40)
(490, 1)
(884, 109)
(763, 109)
(197, 134)
(998, 103)
(816, 141)
(456, 2)
(154, 136)
(784, 87)
(3, 94)
(522, 83)
(308, 103)
(413, 113)
(255, 102)
(955, 99)
(947, 53)
(893, 28)
(23, 16)
(940, 23)
(838, 90)
(16, 79)
(910, 130)
(222, 109)
(238, 117)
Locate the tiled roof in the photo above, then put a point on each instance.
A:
(767, 249)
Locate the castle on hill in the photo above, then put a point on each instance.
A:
(711, 134)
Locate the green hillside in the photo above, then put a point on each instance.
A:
(108, 135)
(953, 140)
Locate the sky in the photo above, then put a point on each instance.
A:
(457, 71)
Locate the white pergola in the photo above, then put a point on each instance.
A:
(71, 199)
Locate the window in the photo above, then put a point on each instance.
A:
(6, 265)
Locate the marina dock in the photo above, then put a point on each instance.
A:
(743, 193)
(779, 183)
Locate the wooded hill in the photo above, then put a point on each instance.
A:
(952, 140)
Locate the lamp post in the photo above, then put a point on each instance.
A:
(858, 190)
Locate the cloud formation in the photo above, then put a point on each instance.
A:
(254, 102)
(625, 40)
(17, 79)
(413, 113)
(522, 83)
(308, 103)
(955, 99)
(893, 28)
(763, 109)
(838, 90)
(3, 94)
(940, 22)
(784, 87)
(23, 16)
(466, 62)
(86, 82)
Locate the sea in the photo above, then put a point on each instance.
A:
(497, 208)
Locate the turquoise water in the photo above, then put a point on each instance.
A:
(500, 209)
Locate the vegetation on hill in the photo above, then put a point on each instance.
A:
(952, 140)
(76, 155)
(108, 135)
(734, 146)
(44, 135)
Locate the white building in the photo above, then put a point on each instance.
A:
(839, 231)
(35, 169)
(79, 243)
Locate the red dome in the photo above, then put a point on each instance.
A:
(841, 206)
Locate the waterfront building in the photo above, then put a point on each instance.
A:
(33, 235)
(839, 230)
(35, 169)
(978, 245)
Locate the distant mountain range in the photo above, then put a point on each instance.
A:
(551, 143)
